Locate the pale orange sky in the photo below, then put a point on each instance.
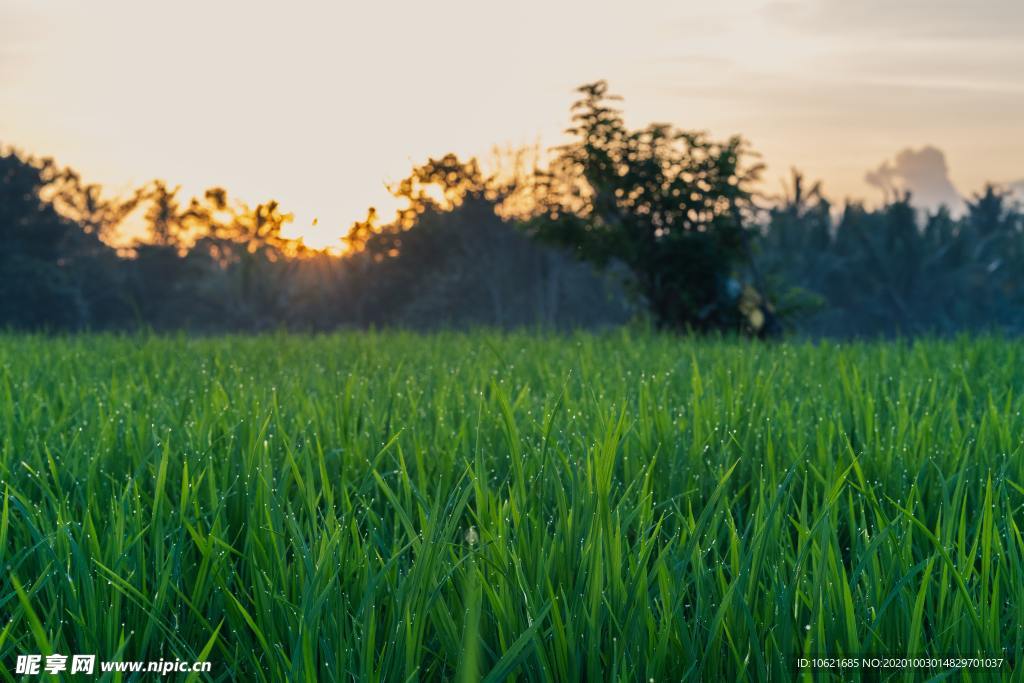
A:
(319, 104)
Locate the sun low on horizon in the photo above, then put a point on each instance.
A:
(321, 106)
(586, 340)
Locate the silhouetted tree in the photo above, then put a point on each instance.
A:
(894, 270)
(672, 209)
(254, 258)
(44, 254)
(672, 205)
(450, 258)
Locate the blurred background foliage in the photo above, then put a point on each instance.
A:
(657, 225)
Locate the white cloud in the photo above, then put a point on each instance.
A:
(922, 172)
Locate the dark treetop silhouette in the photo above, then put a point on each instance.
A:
(654, 222)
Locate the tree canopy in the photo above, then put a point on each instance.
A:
(656, 223)
(674, 206)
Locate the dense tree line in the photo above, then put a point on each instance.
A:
(657, 223)
(894, 270)
(212, 263)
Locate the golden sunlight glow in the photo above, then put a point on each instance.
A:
(320, 105)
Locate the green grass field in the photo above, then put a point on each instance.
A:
(393, 507)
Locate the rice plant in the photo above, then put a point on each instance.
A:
(530, 507)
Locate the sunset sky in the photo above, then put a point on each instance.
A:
(319, 104)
